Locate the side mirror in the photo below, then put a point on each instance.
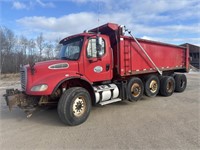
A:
(99, 42)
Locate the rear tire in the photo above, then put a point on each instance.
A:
(180, 82)
(74, 106)
(135, 89)
(167, 86)
(152, 85)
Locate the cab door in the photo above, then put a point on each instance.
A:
(98, 62)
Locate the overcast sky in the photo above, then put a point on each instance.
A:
(171, 21)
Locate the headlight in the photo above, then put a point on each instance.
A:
(39, 88)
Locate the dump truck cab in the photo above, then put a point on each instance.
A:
(86, 56)
(94, 57)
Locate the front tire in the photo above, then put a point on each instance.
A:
(74, 106)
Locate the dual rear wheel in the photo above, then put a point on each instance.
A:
(180, 82)
(136, 87)
(152, 85)
(169, 84)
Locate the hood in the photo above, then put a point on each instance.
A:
(52, 66)
(49, 73)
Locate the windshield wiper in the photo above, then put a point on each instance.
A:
(65, 58)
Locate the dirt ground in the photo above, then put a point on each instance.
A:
(151, 123)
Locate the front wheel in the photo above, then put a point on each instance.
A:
(74, 106)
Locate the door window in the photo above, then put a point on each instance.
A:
(92, 48)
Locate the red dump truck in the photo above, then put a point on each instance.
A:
(100, 66)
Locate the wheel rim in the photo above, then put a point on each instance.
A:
(153, 86)
(170, 86)
(135, 89)
(79, 106)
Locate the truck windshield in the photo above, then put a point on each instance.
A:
(71, 49)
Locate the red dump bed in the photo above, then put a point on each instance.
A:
(133, 60)
(129, 59)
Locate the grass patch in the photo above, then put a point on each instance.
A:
(10, 76)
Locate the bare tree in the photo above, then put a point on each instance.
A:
(49, 50)
(7, 42)
(24, 44)
(31, 47)
(16, 50)
(32, 51)
(57, 48)
(40, 42)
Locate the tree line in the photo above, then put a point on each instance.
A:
(19, 50)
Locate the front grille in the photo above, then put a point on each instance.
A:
(23, 73)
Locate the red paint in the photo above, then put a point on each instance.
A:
(122, 58)
(166, 57)
(90, 63)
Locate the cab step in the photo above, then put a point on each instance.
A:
(110, 101)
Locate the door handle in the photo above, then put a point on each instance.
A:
(107, 67)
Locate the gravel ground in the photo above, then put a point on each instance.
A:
(151, 123)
